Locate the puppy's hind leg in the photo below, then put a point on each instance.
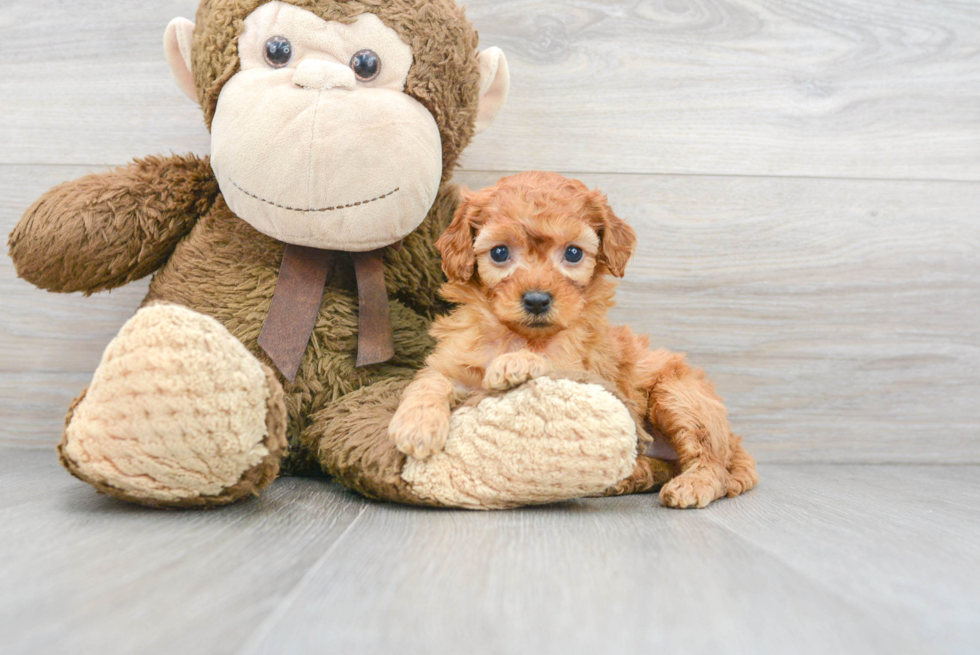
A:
(685, 408)
(742, 475)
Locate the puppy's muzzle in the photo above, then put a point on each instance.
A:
(537, 303)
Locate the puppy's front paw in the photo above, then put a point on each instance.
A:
(513, 369)
(420, 430)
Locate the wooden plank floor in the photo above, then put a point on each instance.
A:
(819, 559)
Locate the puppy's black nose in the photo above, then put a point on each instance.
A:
(537, 302)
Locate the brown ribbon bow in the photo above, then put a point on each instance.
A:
(296, 304)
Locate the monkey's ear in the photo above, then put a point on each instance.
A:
(177, 42)
(494, 86)
(456, 244)
(617, 240)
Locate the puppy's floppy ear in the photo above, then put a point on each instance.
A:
(617, 240)
(456, 244)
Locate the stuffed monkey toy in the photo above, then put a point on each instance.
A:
(295, 275)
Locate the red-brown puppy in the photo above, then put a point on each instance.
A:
(529, 263)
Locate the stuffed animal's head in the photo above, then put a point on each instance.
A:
(334, 122)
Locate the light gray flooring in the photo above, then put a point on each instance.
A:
(818, 559)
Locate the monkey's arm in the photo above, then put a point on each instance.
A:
(105, 230)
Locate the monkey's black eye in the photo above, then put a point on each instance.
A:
(278, 52)
(366, 65)
(573, 254)
(500, 254)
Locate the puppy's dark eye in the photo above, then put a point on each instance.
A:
(366, 65)
(573, 255)
(278, 52)
(500, 254)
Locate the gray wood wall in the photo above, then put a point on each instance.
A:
(804, 176)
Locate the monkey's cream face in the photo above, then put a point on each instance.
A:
(314, 141)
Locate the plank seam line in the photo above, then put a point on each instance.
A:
(504, 171)
(831, 178)
(257, 636)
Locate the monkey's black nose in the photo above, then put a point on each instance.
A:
(537, 302)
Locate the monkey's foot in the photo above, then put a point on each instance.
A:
(179, 414)
(550, 440)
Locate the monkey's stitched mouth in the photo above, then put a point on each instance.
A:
(314, 211)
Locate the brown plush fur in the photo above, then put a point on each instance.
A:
(345, 436)
(166, 215)
(226, 269)
(493, 341)
(108, 229)
(124, 224)
(444, 77)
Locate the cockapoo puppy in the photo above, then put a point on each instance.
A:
(529, 263)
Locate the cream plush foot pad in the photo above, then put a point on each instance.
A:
(547, 441)
(178, 410)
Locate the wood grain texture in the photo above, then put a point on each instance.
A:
(818, 559)
(865, 565)
(840, 319)
(87, 574)
(875, 534)
(95, 89)
(831, 88)
(838, 88)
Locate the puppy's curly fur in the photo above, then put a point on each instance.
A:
(530, 264)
